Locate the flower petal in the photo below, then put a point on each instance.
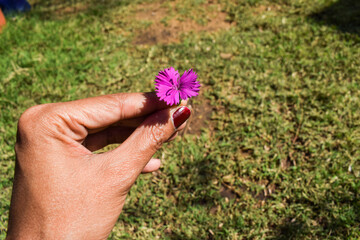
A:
(170, 87)
(167, 77)
(189, 87)
(189, 93)
(166, 85)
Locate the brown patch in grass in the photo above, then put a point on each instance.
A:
(214, 209)
(77, 8)
(226, 192)
(243, 153)
(229, 191)
(60, 9)
(200, 117)
(167, 28)
(201, 113)
(261, 9)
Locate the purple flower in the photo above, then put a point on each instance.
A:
(170, 87)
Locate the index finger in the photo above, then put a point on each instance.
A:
(102, 111)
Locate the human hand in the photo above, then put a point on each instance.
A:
(61, 189)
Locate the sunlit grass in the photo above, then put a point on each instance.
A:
(278, 156)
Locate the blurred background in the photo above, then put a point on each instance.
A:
(272, 149)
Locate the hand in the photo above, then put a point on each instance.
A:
(61, 189)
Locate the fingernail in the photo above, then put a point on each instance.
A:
(180, 116)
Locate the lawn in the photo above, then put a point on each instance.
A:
(272, 149)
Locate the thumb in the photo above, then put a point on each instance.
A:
(141, 145)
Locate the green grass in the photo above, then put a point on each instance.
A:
(283, 137)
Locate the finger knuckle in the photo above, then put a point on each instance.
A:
(26, 126)
(33, 120)
(28, 118)
(157, 137)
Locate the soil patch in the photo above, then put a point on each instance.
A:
(200, 117)
(226, 192)
(167, 28)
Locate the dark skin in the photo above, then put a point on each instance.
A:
(62, 190)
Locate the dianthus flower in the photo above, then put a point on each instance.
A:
(170, 87)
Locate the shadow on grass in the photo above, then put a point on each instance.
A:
(344, 14)
(292, 230)
(333, 223)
